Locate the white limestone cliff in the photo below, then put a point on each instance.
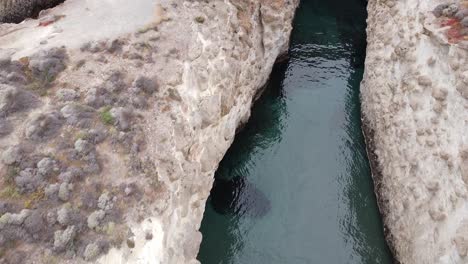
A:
(414, 103)
(114, 116)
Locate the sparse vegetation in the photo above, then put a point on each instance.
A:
(42, 68)
(109, 229)
(146, 29)
(239, 8)
(144, 45)
(50, 259)
(200, 19)
(41, 84)
(12, 171)
(118, 236)
(37, 87)
(9, 192)
(106, 116)
(81, 135)
(34, 198)
(79, 64)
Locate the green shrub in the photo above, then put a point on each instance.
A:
(106, 116)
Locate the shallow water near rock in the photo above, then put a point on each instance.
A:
(303, 153)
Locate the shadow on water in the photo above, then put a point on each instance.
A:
(295, 186)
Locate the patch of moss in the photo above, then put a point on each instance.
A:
(106, 116)
(200, 19)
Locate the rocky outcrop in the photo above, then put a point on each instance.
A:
(414, 109)
(111, 130)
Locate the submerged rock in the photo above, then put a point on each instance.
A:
(238, 196)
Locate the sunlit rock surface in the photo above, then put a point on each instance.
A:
(414, 105)
(114, 116)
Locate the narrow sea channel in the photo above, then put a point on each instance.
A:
(295, 187)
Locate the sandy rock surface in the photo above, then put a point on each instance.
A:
(112, 124)
(414, 105)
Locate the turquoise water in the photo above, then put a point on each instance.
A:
(303, 191)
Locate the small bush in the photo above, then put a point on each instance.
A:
(106, 116)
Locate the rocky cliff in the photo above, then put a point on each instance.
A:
(114, 116)
(414, 104)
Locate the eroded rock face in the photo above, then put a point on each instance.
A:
(110, 137)
(414, 105)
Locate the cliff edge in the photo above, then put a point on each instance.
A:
(114, 116)
(414, 105)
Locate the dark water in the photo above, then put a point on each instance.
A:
(295, 187)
